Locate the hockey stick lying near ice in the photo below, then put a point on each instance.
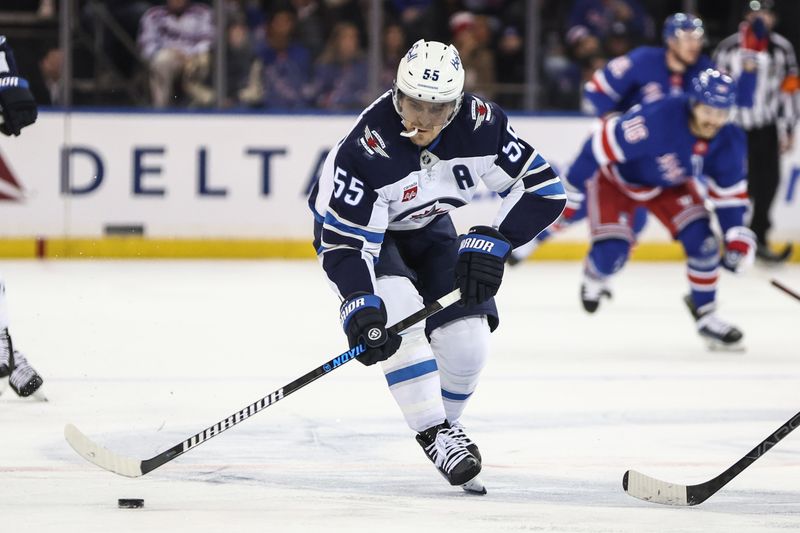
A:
(126, 466)
(654, 490)
(784, 288)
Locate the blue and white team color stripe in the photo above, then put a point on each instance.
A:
(541, 179)
(338, 233)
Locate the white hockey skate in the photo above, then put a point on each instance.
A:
(592, 291)
(446, 448)
(720, 336)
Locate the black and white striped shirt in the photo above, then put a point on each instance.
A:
(776, 98)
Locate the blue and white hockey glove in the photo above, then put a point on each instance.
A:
(363, 318)
(740, 249)
(482, 254)
(17, 104)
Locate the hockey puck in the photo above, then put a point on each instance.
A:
(131, 503)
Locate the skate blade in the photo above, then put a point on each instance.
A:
(38, 396)
(721, 347)
(474, 486)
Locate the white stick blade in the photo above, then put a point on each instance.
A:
(654, 490)
(100, 456)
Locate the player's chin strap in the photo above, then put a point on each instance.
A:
(409, 133)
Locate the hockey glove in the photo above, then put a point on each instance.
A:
(363, 318)
(740, 248)
(479, 268)
(16, 104)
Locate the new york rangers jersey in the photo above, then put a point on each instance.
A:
(651, 147)
(643, 77)
(376, 180)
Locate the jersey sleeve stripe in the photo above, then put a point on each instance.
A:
(601, 83)
(331, 221)
(532, 180)
(610, 145)
(549, 188)
(737, 189)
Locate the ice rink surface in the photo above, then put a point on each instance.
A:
(141, 355)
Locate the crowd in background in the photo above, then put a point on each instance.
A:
(311, 54)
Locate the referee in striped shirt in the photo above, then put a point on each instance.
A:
(770, 122)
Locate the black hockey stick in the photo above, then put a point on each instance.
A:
(654, 490)
(784, 288)
(126, 466)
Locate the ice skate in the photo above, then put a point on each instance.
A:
(5, 355)
(592, 291)
(24, 380)
(460, 434)
(718, 334)
(5, 359)
(446, 449)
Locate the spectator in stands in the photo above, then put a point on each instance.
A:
(394, 46)
(619, 40)
(596, 18)
(340, 77)
(510, 68)
(243, 76)
(175, 40)
(311, 30)
(286, 64)
(416, 17)
(477, 58)
(46, 81)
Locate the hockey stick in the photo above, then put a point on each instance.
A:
(785, 289)
(126, 466)
(654, 490)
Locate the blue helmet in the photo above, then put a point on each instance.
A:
(713, 88)
(682, 22)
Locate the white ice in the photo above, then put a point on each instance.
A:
(141, 355)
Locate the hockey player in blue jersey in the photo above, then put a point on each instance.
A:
(388, 246)
(652, 157)
(17, 110)
(643, 76)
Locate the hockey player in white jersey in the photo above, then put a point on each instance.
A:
(18, 110)
(388, 246)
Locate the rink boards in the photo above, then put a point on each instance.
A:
(101, 184)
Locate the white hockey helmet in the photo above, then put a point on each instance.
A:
(431, 72)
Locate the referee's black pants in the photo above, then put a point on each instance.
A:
(763, 176)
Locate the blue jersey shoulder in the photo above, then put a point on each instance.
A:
(647, 55)
(375, 151)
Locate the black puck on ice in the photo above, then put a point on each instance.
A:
(131, 503)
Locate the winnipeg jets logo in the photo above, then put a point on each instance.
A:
(480, 113)
(373, 143)
(412, 53)
(432, 211)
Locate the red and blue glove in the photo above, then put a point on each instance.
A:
(740, 249)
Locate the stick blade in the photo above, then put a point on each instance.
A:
(99, 456)
(654, 490)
